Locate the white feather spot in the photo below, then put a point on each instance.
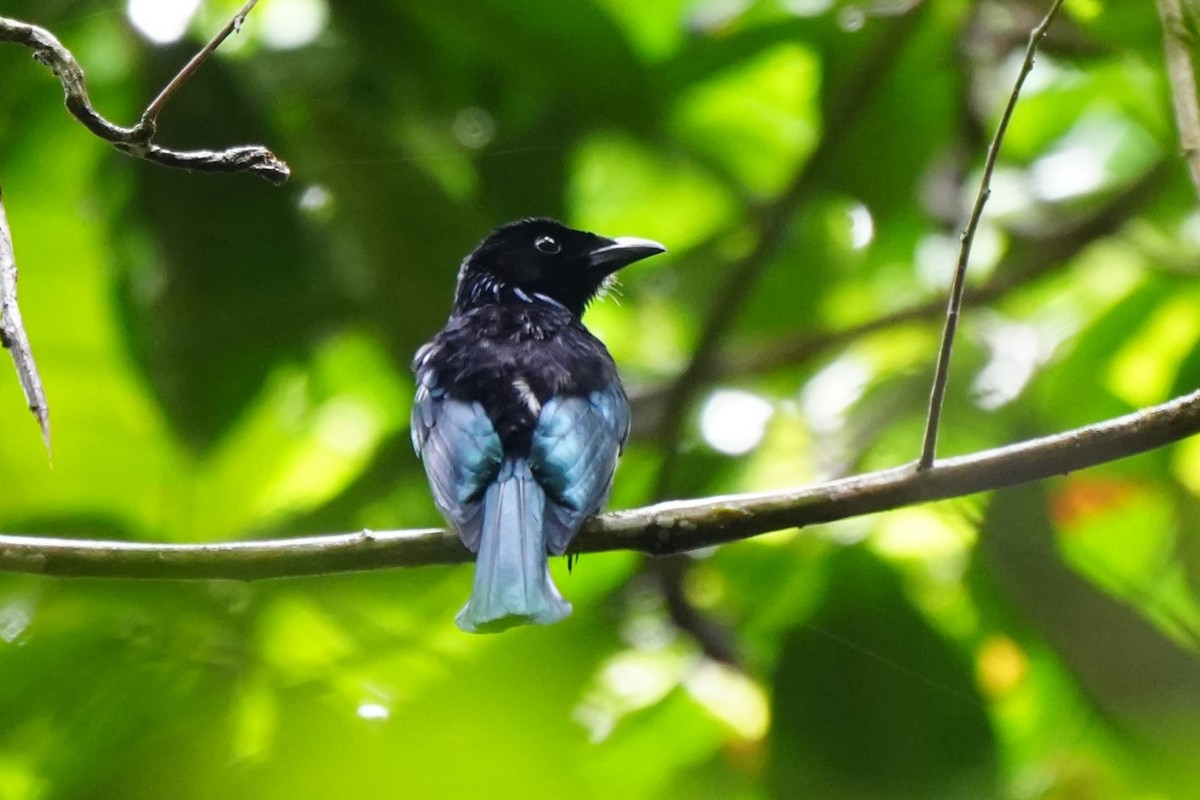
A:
(526, 395)
(550, 300)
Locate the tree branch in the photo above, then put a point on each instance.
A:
(136, 141)
(12, 332)
(661, 529)
(941, 375)
(1178, 42)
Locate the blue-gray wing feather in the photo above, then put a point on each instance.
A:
(573, 456)
(461, 452)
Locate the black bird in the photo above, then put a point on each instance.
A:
(520, 416)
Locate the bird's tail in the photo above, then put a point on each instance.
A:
(512, 579)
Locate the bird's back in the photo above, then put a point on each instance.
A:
(512, 360)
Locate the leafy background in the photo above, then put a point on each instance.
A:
(227, 360)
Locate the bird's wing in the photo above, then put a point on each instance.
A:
(574, 455)
(461, 453)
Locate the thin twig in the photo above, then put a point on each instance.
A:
(150, 115)
(743, 277)
(741, 281)
(1178, 42)
(135, 141)
(12, 332)
(662, 529)
(941, 374)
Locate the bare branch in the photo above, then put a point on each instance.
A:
(1178, 42)
(12, 332)
(271, 558)
(136, 141)
(661, 529)
(941, 374)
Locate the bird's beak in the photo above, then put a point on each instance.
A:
(612, 254)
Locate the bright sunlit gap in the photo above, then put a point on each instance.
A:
(732, 697)
(713, 15)
(1101, 147)
(281, 24)
(631, 680)
(941, 541)
(1073, 170)
(15, 618)
(734, 422)
(474, 127)
(807, 8)
(1010, 193)
(161, 21)
(1017, 349)
(862, 226)
(373, 711)
(937, 254)
(1048, 75)
(1189, 229)
(637, 679)
(289, 24)
(315, 200)
(1145, 368)
(830, 393)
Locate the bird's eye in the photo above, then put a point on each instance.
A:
(547, 244)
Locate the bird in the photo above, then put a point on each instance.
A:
(520, 416)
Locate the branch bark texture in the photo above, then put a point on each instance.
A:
(661, 529)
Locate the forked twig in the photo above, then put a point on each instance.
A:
(941, 374)
(137, 140)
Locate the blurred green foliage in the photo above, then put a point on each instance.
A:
(226, 360)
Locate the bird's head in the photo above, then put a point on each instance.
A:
(541, 260)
